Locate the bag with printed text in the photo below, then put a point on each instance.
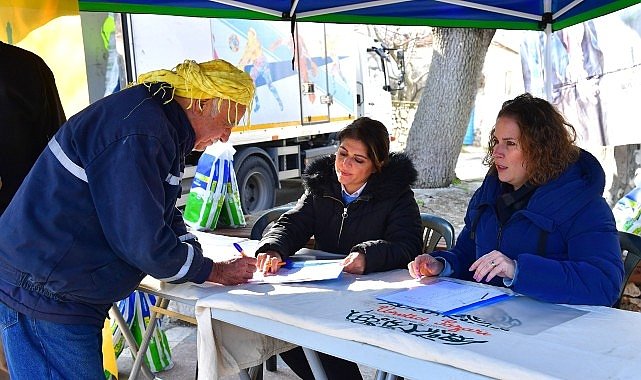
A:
(135, 309)
(214, 195)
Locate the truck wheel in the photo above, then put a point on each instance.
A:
(256, 185)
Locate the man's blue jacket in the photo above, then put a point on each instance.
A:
(97, 211)
(565, 241)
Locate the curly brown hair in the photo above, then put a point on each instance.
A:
(547, 139)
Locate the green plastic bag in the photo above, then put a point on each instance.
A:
(214, 197)
(207, 193)
(135, 310)
(232, 214)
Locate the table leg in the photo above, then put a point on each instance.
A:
(271, 363)
(380, 375)
(256, 372)
(315, 364)
(129, 338)
(151, 326)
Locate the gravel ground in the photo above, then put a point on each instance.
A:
(449, 203)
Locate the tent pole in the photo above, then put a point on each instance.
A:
(547, 72)
(548, 63)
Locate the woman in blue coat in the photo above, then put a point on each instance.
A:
(538, 224)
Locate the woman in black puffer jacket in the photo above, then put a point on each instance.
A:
(357, 202)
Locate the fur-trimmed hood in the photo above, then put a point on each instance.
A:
(320, 177)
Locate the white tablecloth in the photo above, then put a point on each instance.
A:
(515, 339)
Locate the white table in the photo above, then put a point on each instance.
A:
(515, 339)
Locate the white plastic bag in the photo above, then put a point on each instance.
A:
(214, 192)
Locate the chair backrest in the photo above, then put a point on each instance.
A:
(435, 228)
(631, 248)
(265, 219)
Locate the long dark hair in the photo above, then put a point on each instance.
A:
(374, 135)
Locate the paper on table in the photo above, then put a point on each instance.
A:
(446, 297)
(220, 247)
(311, 270)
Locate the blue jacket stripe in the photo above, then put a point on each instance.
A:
(185, 268)
(71, 166)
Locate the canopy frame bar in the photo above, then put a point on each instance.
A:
(249, 7)
(346, 8)
(563, 10)
(292, 11)
(489, 8)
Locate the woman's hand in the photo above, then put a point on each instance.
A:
(425, 266)
(354, 263)
(493, 264)
(268, 262)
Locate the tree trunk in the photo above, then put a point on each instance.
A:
(436, 135)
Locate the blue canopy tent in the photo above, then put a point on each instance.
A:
(498, 14)
(543, 15)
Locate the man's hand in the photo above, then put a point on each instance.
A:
(232, 272)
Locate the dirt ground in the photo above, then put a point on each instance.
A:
(449, 203)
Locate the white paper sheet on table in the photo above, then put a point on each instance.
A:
(302, 271)
(447, 297)
(220, 247)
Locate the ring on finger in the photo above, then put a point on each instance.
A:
(492, 263)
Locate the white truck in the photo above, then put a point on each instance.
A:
(309, 84)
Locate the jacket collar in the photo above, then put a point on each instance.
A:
(176, 116)
(560, 198)
(399, 174)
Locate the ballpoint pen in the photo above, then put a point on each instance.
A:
(286, 263)
(240, 249)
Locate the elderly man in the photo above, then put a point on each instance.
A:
(97, 213)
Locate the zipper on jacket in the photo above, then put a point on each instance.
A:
(343, 217)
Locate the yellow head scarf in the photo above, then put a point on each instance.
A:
(207, 80)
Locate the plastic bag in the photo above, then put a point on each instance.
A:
(207, 192)
(232, 214)
(135, 309)
(627, 211)
(214, 192)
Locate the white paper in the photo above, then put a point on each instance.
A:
(311, 270)
(444, 296)
(220, 247)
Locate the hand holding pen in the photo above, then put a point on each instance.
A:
(270, 262)
(234, 271)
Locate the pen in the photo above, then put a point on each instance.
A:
(485, 295)
(287, 264)
(240, 249)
